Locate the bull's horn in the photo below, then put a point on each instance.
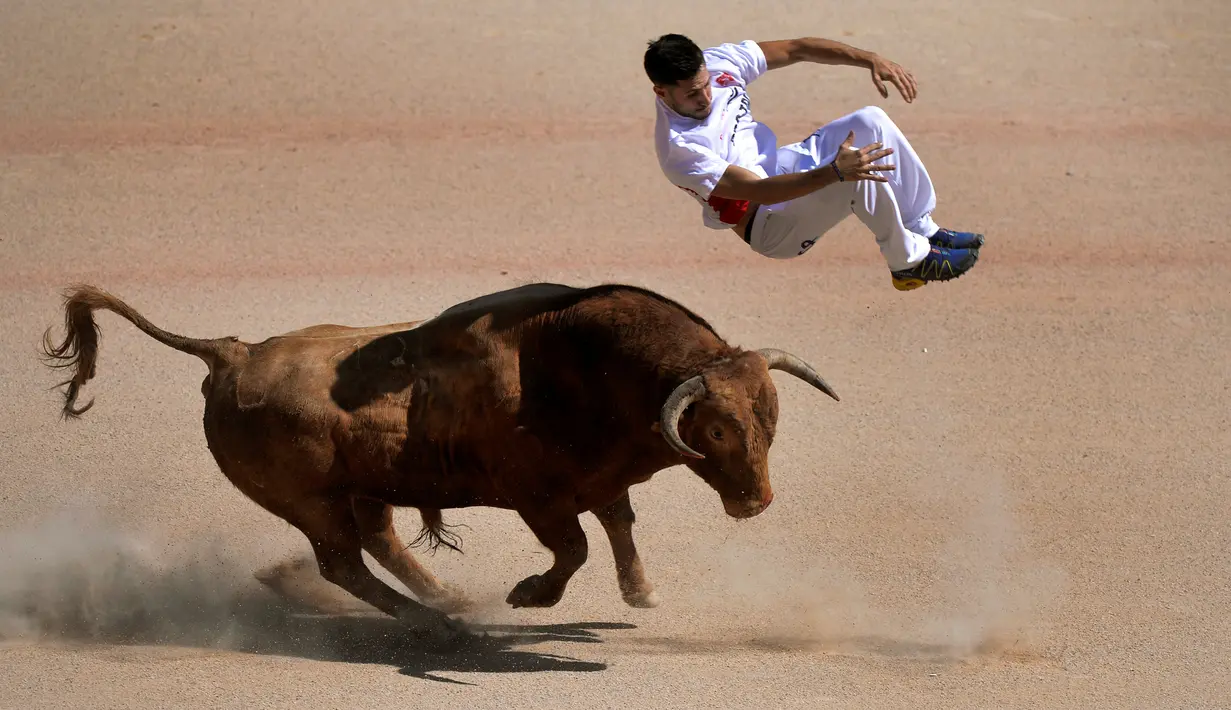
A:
(685, 394)
(780, 360)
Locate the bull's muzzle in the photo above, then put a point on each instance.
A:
(748, 508)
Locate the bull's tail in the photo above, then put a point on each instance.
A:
(436, 533)
(79, 350)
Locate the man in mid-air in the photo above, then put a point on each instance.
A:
(780, 200)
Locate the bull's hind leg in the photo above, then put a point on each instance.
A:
(297, 580)
(381, 540)
(617, 520)
(333, 531)
(560, 532)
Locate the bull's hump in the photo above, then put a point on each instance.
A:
(529, 296)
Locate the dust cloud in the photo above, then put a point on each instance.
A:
(973, 587)
(75, 577)
(975, 590)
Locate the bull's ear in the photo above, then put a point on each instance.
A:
(656, 428)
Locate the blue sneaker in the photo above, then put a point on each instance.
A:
(956, 240)
(941, 264)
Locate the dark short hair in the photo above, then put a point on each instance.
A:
(672, 58)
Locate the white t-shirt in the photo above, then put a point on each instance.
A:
(694, 153)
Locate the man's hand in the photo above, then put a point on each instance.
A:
(856, 163)
(787, 52)
(883, 69)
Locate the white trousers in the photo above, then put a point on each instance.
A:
(897, 212)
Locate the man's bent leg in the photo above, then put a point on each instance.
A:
(909, 182)
(877, 206)
(897, 212)
(788, 229)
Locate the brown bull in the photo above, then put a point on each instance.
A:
(545, 399)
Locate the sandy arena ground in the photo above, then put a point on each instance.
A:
(1020, 501)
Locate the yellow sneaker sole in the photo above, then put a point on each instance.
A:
(907, 284)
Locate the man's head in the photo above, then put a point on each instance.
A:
(676, 67)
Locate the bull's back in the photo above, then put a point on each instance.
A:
(342, 369)
(272, 421)
(274, 401)
(331, 330)
(392, 410)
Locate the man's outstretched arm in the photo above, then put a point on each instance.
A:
(816, 50)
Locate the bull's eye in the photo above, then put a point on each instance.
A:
(716, 433)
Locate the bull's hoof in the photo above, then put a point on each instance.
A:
(642, 600)
(440, 632)
(534, 591)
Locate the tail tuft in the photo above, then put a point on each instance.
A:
(79, 349)
(436, 533)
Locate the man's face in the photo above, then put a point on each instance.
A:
(689, 97)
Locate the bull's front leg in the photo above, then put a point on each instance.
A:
(617, 520)
(559, 531)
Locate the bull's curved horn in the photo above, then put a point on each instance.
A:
(686, 393)
(781, 360)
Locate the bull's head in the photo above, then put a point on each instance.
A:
(733, 413)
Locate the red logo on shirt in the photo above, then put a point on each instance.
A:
(725, 79)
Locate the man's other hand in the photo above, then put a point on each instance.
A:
(884, 70)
